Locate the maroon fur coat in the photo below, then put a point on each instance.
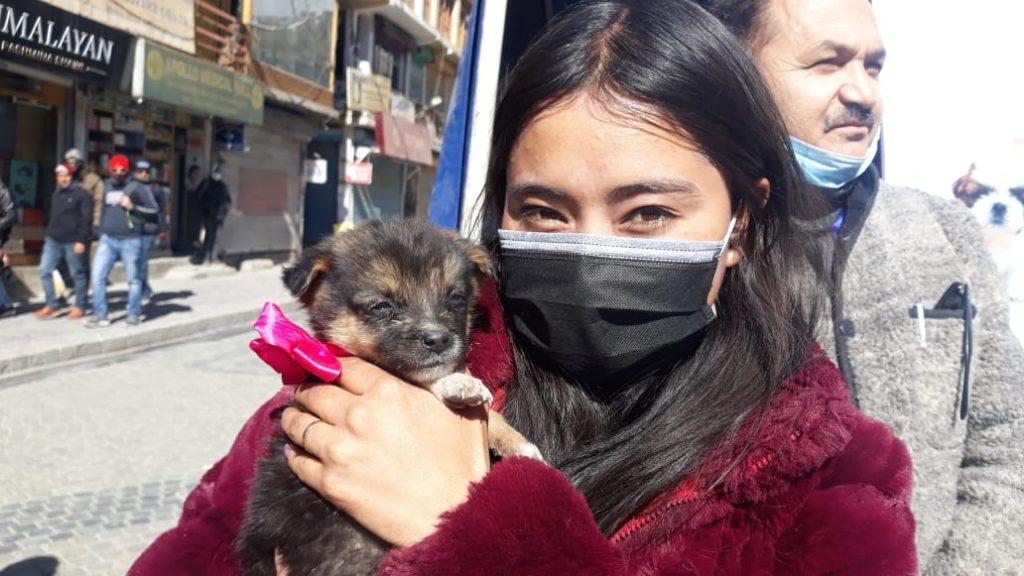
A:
(824, 490)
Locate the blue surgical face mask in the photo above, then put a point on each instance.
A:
(831, 170)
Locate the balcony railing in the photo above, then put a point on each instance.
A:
(220, 37)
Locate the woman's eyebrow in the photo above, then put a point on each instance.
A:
(531, 189)
(666, 186)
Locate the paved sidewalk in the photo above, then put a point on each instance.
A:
(95, 462)
(182, 307)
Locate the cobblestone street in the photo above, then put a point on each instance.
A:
(95, 461)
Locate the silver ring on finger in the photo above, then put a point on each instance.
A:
(305, 432)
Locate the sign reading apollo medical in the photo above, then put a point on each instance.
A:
(38, 34)
(170, 22)
(181, 80)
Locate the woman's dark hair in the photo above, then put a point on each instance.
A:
(687, 73)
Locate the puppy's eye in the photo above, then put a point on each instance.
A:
(382, 307)
(456, 299)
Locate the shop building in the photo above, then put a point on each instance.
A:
(41, 63)
(182, 84)
(399, 60)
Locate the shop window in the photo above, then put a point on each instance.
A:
(295, 37)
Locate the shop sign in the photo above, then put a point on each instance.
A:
(359, 173)
(402, 107)
(314, 170)
(404, 140)
(170, 22)
(38, 34)
(368, 92)
(230, 137)
(181, 80)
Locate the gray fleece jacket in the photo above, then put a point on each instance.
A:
(968, 497)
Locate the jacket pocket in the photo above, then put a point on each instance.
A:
(955, 306)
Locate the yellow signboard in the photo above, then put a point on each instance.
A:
(368, 92)
(170, 22)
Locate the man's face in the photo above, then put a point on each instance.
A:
(63, 179)
(822, 60)
(142, 175)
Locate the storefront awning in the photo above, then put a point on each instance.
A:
(181, 80)
(404, 140)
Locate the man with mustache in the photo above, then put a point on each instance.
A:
(919, 322)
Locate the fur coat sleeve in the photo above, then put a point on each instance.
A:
(526, 518)
(814, 487)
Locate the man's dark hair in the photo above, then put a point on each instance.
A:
(742, 17)
(624, 446)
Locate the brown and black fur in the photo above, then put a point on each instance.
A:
(400, 294)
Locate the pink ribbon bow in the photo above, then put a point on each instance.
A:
(291, 351)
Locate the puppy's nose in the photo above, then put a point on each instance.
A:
(999, 209)
(436, 340)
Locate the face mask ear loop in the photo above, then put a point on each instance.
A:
(725, 246)
(732, 226)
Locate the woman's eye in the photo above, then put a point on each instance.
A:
(649, 216)
(539, 214)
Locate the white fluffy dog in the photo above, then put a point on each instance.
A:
(1001, 215)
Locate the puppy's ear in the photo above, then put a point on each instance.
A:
(480, 258)
(304, 277)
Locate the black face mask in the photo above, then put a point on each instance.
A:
(605, 306)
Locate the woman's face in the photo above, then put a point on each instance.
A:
(580, 168)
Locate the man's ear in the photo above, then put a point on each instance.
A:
(480, 258)
(302, 279)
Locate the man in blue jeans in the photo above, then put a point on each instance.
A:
(67, 234)
(127, 205)
(7, 219)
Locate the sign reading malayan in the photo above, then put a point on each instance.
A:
(170, 22)
(182, 80)
(40, 35)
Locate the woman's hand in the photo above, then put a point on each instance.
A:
(386, 452)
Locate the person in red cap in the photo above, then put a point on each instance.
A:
(67, 234)
(127, 206)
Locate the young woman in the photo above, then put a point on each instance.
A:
(642, 205)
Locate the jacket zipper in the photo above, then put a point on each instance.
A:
(645, 520)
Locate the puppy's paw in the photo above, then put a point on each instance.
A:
(460, 390)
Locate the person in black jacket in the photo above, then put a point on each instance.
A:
(67, 234)
(216, 203)
(7, 219)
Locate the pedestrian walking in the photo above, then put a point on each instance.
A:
(127, 205)
(150, 228)
(89, 179)
(193, 212)
(8, 216)
(215, 201)
(67, 235)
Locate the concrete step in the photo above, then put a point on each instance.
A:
(182, 309)
(24, 284)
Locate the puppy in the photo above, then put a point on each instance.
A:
(400, 294)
